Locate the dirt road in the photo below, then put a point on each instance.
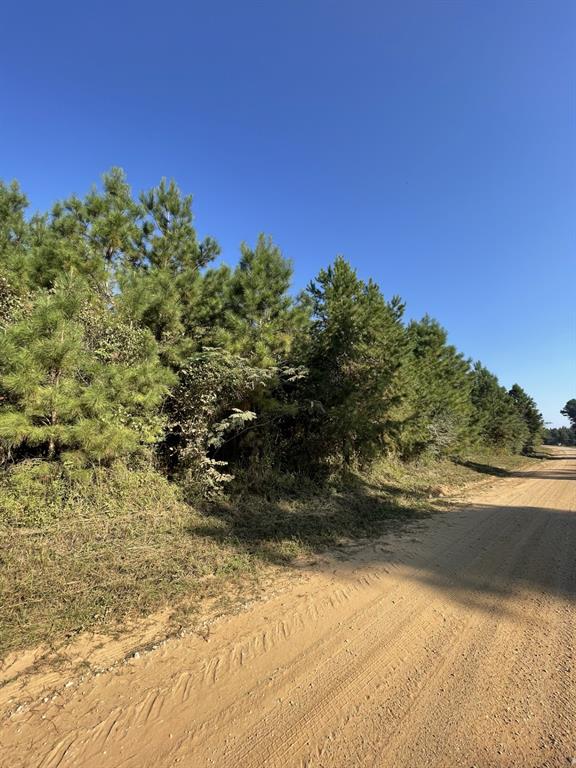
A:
(453, 645)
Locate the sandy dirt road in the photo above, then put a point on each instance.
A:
(452, 645)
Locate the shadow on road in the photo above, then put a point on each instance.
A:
(475, 554)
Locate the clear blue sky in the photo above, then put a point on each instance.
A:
(433, 143)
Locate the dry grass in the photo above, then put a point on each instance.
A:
(79, 553)
(121, 546)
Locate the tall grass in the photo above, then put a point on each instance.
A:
(90, 550)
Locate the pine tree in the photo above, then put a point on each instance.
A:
(64, 391)
(532, 417)
(206, 320)
(13, 226)
(560, 436)
(261, 312)
(160, 287)
(496, 419)
(16, 242)
(355, 350)
(91, 237)
(438, 382)
(10, 303)
(569, 411)
(145, 250)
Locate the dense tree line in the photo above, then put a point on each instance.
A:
(563, 435)
(119, 337)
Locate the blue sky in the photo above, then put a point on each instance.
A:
(431, 142)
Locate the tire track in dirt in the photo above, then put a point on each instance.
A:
(279, 735)
(451, 647)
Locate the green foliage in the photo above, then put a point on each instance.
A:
(10, 303)
(205, 409)
(497, 419)
(160, 281)
(60, 395)
(569, 411)
(117, 332)
(560, 436)
(438, 384)
(14, 230)
(353, 353)
(260, 310)
(563, 435)
(532, 417)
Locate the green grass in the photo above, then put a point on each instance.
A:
(90, 552)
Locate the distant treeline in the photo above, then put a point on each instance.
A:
(118, 339)
(563, 435)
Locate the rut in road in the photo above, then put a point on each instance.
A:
(451, 646)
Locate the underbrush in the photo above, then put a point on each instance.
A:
(81, 552)
(90, 550)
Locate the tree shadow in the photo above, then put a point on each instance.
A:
(559, 474)
(489, 469)
(265, 527)
(484, 469)
(474, 554)
(515, 556)
(565, 455)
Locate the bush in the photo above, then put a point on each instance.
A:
(88, 550)
(204, 411)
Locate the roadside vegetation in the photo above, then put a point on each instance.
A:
(170, 428)
(80, 556)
